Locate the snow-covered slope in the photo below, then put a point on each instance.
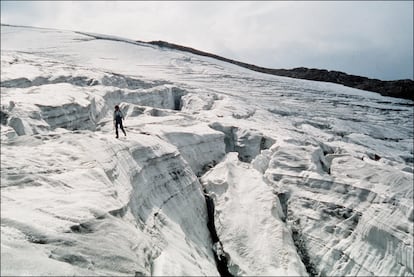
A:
(307, 178)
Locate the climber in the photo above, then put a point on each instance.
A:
(118, 117)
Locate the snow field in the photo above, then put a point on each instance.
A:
(307, 178)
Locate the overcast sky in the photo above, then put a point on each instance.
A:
(367, 38)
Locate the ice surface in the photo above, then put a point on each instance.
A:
(307, 178)
(249, 221)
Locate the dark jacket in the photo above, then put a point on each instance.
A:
(118, 115)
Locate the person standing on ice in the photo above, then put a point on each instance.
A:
(118, 117)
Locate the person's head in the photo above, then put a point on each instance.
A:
(116, 107)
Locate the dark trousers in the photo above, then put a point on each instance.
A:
(119, 122)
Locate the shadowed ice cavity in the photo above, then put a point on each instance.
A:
(248, 143)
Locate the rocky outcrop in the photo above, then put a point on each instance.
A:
(398, 88)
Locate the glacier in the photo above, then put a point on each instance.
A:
(221, 166)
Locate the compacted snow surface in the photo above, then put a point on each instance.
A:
(307, 178)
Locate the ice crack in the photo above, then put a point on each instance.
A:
(219, 254)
